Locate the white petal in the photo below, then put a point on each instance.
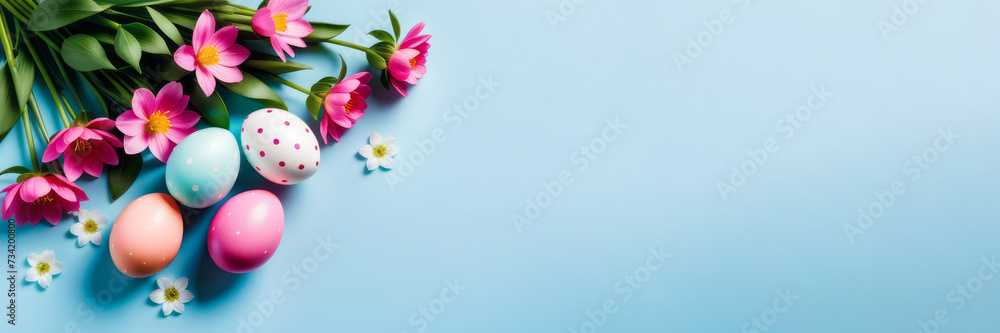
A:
(31, 275)
(47, 256)
(375, 139)
(372, 163)
(181, 284)
(391, 151)
(164, 283)
(385, 162)
(366, 151)
(32, 259)
(101, 220)
(45, 280)
(389, 142)
(82, 213)
(178, 306)
(186, 296)
(167, 308)
(82, 240)
(57, 267)
(96, 239)
(76, 229)
(157, 296)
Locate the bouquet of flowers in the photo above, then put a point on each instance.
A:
(155, 68)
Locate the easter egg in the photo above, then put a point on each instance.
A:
(202, 169)
(246, 231)
(280, 146)
(146, 235)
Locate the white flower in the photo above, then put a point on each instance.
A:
(379, 152)
(89, 228)
(171, 294)
(43, 267)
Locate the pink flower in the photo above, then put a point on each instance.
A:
(41, 197)
(87, 148)
(409, 62)
(282, 21)
(345, 104)
(214, 56)
(159, 122)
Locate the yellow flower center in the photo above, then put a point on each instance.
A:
(43, 268)
(208, 56)
(413, 63)
(43, 200)
(379, 151)
(158, 122)
(82, 146)
(279, 22)
(349, 106)
(171, 294)
(90, 226)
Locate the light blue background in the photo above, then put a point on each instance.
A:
(654, 186)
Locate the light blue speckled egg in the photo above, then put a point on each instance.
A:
(202, 169)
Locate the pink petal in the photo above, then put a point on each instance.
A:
(233, 56)
(73, 166)
(62, 181)
(414, 31)
(114, 141)
(362, 77)
(345, 86)
(262, 22)
(336, 99)
(412, 42)
(177, 134)
(226, 74)
(399, 63)
(339, 117)
(144, 103)
(203, 30)
(51, 153)
(279, 46)
(63, 192)
(322, 131)
(364, 90)
(135, 144)
(184, 119)
(161, 147)
(294, 8)
(186, 57)
(171, 98)
(399, 86)
(93, 166)
(34, 188)
(52, 213)
(205, 80)
(11, 201)
(105, 153)
(297, 28)
(103, 124)
(130, 124)
(223, 39)
(294, 41)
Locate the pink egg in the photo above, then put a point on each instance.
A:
(146, 235)
(246, 231)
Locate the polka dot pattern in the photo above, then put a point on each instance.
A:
(275, 149)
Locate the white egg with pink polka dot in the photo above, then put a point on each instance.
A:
(280, 146)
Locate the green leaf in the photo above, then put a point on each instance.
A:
(15, 169)
(83, 118)
(376, 60)
(23, 76)
(343, 69)
(384, 78)
(384, 49)
(9, 112)
(395, 23)
(253, 88)
(323, 31)
(276, 67)
(84, 53)
(313, 104)
(149, 40)
(54, 14)
(383, 36)
(212, 109)
(128, 48)
(168, 28)
(166, 69)
(136, 3)
(121, 176)
(322, 87)
(104, 37)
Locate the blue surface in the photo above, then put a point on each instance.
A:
(445, 215)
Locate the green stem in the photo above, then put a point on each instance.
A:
(67, 78)
(97, 95)
(38, 117)
(49, 84)
(99, 19)
(234, 18)
(31, 139)
(350, 45)
(287, 83)
(247, 12)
